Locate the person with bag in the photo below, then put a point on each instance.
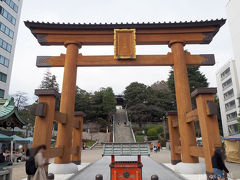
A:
(35, 164)
(218, 164)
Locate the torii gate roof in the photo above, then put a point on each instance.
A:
(197, 32)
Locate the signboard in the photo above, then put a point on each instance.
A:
(124, 44)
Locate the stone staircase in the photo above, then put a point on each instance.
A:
(122, 129)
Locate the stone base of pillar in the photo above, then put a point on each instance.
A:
(190, 168)
(70, 168)
(174, 162)
(77, 162)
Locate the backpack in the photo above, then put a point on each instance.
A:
(30, 166)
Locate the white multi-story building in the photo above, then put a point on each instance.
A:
(228, 91)
(10, 11)
(233, 18)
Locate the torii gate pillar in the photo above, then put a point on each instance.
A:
(64, 135)
(183, 97)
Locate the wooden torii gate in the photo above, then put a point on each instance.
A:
(125, 37)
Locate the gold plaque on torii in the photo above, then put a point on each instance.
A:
(124, 44)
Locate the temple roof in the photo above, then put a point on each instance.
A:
(138, 25)
(9, 116)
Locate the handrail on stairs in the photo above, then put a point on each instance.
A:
(93, 145)
(113, 128)
(130, 125)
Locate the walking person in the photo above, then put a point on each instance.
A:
(158, 146)
(155, 149)
(218, 164)
(151, 147)
(35, 164)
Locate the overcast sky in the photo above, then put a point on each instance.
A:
(26, 76)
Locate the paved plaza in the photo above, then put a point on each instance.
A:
(91, 156)
(150, 168)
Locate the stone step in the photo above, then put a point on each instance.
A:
(122, 132)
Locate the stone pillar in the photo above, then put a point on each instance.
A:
(174, 137)
(64, 135)
(187, 130)
(77, 137)
(207, 113)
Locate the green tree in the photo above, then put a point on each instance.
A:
(141, 113)
(195, 77)
(82, 101)
(109, 101)
(25, 111)
(98, 106)
(135, 93)
(27, 114)
(162, 98)
(49, 81)
(147, 104)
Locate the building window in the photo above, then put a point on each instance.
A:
(226, 73)
(7, 15)
(3, 77)
(228, 94)
(232, 116)
(6, 30)
(12, 5)
(2, 93)
(4, 61)
(227, 84)
(5, 45)
(233, 129)
(231, 105)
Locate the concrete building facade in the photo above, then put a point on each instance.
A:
(228, 94)
(233, 18)
(10, 11)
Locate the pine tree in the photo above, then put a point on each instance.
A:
(49, 82)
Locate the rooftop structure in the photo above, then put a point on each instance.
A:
(9, 116)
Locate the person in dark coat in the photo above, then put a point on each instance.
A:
(218, 164)
(2, 158)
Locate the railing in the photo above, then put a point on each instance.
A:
(113, 128)
(93, 145)
(130, 125)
